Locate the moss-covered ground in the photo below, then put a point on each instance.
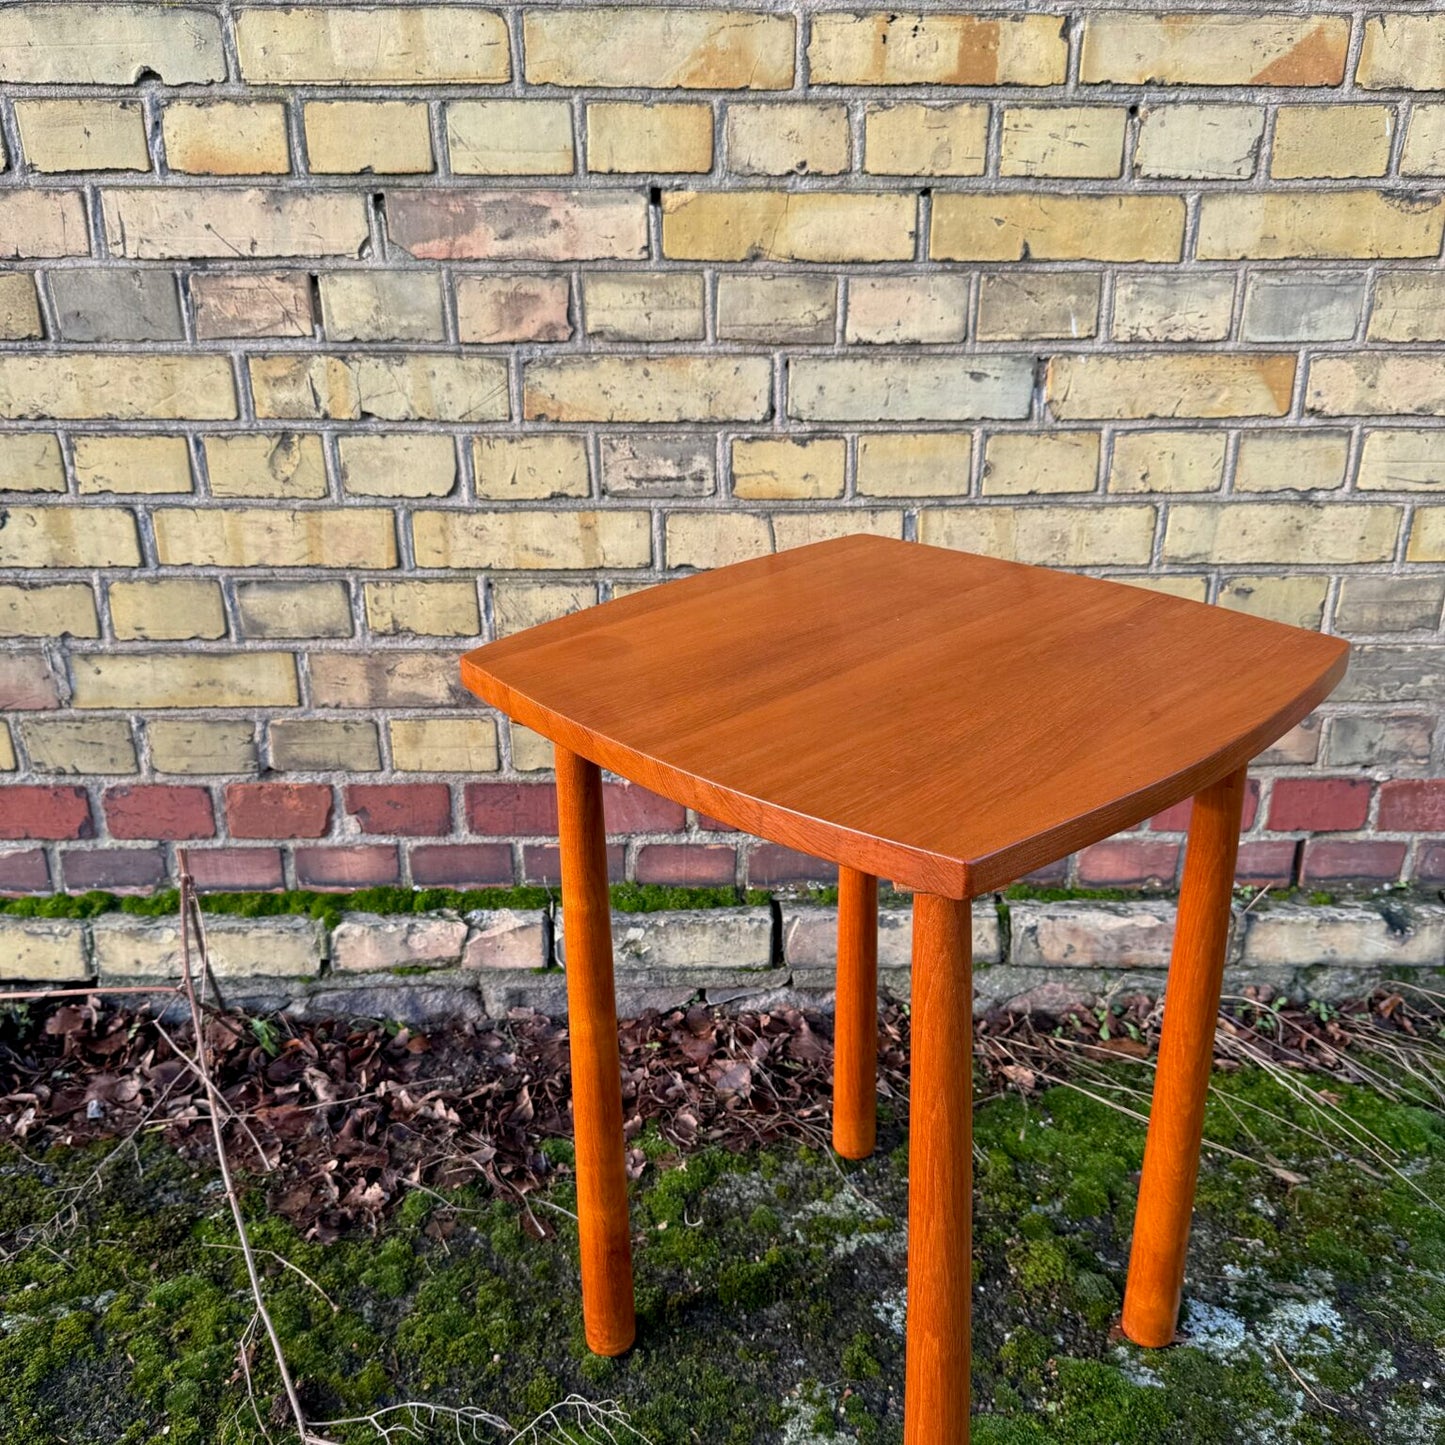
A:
(770, 1292)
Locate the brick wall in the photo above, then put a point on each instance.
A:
(338, 339)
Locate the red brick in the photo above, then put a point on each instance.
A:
(712, 825)
(159, 810)
(1266, 860)
(418, 810)
(278, 810)
(632, 809)
(771, 863)
(1050, 874)
(542, 863)
(1176, 819)
(461, 865)
(508, 810)
(1125, 862)
(358, 866)
(36, 811)
(237, 868)
(1355, 859)
(24, 870)
(1318, 805)
(686, 865)
(1430, 868)
(116, 869)
(1413, 806)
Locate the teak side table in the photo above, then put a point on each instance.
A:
(949, 722)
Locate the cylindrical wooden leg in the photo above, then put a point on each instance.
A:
(855, 1032)
(603, 1229)
(940, 1175)
(1186, 1051)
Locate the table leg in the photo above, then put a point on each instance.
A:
(855, 1031)
(1181, 1081)
(940, 1175)
(603, 1228)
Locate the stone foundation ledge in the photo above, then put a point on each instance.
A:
(1027, 955)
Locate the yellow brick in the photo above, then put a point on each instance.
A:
(649, 388)
(1297, 601)
(388, 45)
(628, 137)
(81, 745)
(193, 747)
(915, 464)
(117, 387)
(384, 137)
(1167, 461)
(429, 387)
(226, 138)
(1199, 142)
(1177, 306)
(777, 467)
(715, 539)
(1214, 49)
(794, 139)
(526, 540)
(1424, 153)
(312, 745)
(1402, 459)
(83, 135)
(517, 606)
(385, 679)
(801, 529)
(1020, 464)
(513, 308)
(1277, 461)
(167, 611)
(51, 44)
(294, 609)
(530, 468)
(919, 309)
(42, 223)
(161, 222)
(31, 462)
(644, 305)
(1427, 536)
(1063, 140)
(1178, 383)
(756, 307)
(659, 48)
(1010, 227)
(510, 137)
(531, 753)
(67, 536)
(66, 608)
(1318, 225)
(857, 388)
(185, 679)
(406, 464)
(1079, 536)
(1375, 383)
(1332, 140)
(1323, 532)
(1409, 306)
(917, 49)
(1023, 305)
(132, 464)
(423, 609)
(925, 140)
(787, 226)
(1404, 51)
(7, 751)
(275, 537)
(382, 306)
(251, 303)
(288, 465)
(19, 308)
(1196, 589)
(444, 745)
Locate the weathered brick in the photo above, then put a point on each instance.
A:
(159, 810)
(532, 539)
(423, 387)
(168, 221)
(415, 810)
(513, 308)
(919, 49)
(275, 537)
(278, 810)
(924, 309)
(925, 140)
(659, 48)
(510, 138)
(774, 467)
(366, 941)
(1378, 742)
(1063, 140)
(42, 223)
(780, 139)
(28, 682)
(801, 529)
(1288, 307)
(251, 303)
(787, 226)
(1027, 225)
(83, 135)
(226, 138)
(1203, 384)
(1057, 536)
(64, 610)
(135, 464)
(776, 308)
(915, 464)
(79, 745)
(1402, 51)
(1318, 225)
(518, 605)
(104, 305)
(194, 747)
(1214, 50)
(404, 464)
(423, 609)
(347, 137)
(628, 137)
(662, 388)
(658, 466)
(169, 610)
(185, 679)
(235, 947)
(918, 388)
(1403, 672)
(715, 539)
(1424, 152)
(1155, 306)
(110, 45)
(43, 950)
(385, 679)
(19, 308)
(1427, 536)
(1332, 140)
(1280, 532)
(1298, 601)
(293, 609)
(116, 387)
(320, 745)
(444, 745)
(289, 465)
(1376, 383)
(1409, 306)
(382, 306)
(1017, 463)
(644, 305)
(50, 811)
(1036, 304)
(529, 468)
(1276, 461)
(69, 537)
(1389, 604)
(1402, 459)
(390, 45)
(1199, 142)
(519, 225)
